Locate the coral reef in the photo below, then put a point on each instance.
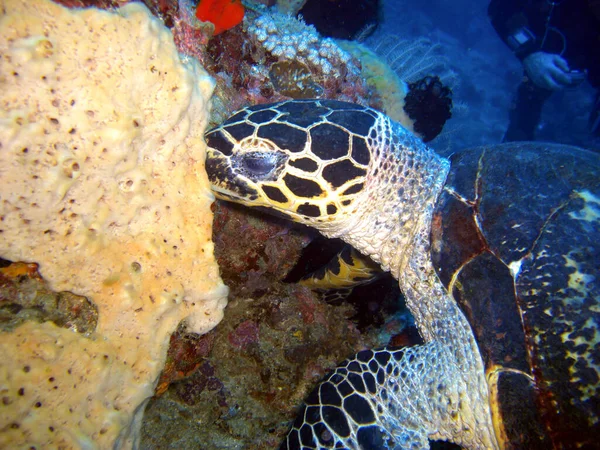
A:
(264, 358)
(272, 58)
(275, 342)
(191, 36)
(237, 385)
(294, 79)
(24, 295)
(267, 253)
(275, 56)
(288, 38)
(269, 58)
(103, 186)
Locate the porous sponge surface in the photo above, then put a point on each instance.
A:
(102, 183)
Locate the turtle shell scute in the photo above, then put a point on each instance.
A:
(354, 121)
(329, 142)
(514, 238)
(339, 173)
(240, 130)
(262, 116)
(284, 136)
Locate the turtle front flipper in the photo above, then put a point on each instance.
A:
(344, 272)
(381, 399)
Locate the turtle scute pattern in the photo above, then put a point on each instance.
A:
(516, 242)
(323, 142)
(357, 405)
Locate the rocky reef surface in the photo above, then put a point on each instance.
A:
(241, 384)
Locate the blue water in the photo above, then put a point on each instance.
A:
(488, 74)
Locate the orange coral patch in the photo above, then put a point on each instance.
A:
(224, 14)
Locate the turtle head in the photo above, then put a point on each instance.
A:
(305, 159)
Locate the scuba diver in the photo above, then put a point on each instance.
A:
(558, 43)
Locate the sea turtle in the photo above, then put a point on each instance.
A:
(336, 280)
(496, 251)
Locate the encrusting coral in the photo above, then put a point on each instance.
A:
(275, 57)
(288, 38)
(102, 184)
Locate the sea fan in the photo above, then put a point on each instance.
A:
(413, 59)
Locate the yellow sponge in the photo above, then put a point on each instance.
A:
(102, 184)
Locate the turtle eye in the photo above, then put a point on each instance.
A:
(258, 163)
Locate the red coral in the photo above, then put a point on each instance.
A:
(223, 14)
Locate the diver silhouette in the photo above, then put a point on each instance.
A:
(558, 43)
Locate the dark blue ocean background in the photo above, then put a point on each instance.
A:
(487, 75)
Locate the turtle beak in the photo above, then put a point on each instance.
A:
(225, 182)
